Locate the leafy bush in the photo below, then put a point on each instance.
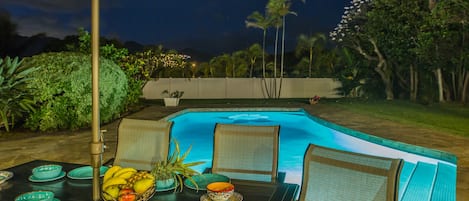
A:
(64, 91)
(15, 99)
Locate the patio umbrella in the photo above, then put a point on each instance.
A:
(96, 144)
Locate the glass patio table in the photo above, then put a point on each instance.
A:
(67, 189)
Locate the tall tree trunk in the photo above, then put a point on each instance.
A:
(251, 67)
(454, 86)
(439, 78)
(465, 88)
(263, 54)
(310, 60)
(413, 83)
(282, 59)
(266, 88)
(383, 69)
(274, 84)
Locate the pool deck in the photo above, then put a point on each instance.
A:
(72, 146)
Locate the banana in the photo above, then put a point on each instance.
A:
(124, 170)
(110, 172)
(111, 193)
(126, 175)
(114, 181)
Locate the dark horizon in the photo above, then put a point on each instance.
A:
(212, 27)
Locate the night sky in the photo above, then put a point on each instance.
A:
(206, 25)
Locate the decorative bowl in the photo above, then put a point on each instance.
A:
(36, 196)
(220, 191)
(47, 171)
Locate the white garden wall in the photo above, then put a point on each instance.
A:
(238, 88)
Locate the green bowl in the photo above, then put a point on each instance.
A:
(36, 196)
(47, 171)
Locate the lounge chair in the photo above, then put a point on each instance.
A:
(333, 175)
(142, 142)
(246, 152)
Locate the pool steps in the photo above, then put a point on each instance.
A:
(445, 183)
(419, 181)
(406, 174)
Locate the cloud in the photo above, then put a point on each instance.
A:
(56, 18)
(51, 25)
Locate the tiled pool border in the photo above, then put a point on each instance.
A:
(415, 149)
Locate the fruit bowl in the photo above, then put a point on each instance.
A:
(130, 195)
(127, 184)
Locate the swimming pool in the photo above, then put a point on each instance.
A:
(427, 174)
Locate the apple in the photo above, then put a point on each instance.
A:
(127, 195)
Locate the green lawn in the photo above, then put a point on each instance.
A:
(447, 117)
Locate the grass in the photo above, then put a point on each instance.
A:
(446, 117)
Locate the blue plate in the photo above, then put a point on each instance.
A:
(85, 172)
(34, 179)
(203, 180)
(35, 195)
(166, 188)
(5, 175)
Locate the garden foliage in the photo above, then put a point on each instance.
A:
(64, 91)
(15, 99)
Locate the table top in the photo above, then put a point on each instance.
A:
(67, 189)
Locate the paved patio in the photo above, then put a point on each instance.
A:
(72, 146)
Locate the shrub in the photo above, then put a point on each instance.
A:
(15, 99)
(64, 91)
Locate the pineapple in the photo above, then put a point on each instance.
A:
(174, 167)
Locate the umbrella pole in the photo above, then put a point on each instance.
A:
(96, 145)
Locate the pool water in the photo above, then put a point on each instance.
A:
(423, 176)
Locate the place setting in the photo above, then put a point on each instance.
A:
(45, 173)
(5, 175)
(221, 191)
(37, 195)
(85, 172)
(202, 180)
(217, 186)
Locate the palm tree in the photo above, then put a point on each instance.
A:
(279, 9)
(307, 43)
(260, 22)
(253, 52)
